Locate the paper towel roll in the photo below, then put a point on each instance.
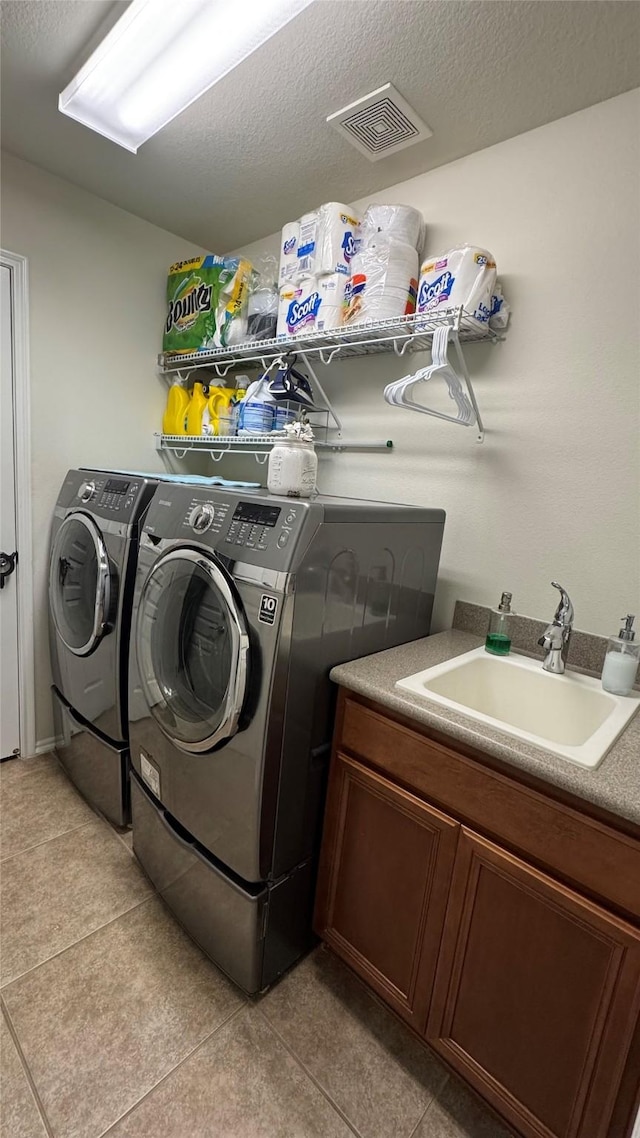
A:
(332, 291)
(288, 252)
(402, 222)
(463, 277)
(306, 255)
(336, 246)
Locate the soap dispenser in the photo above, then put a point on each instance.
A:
(498, 639)
(621, 660)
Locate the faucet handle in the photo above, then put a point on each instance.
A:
(564, 612)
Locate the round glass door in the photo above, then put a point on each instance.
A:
(79, 584)
(192, 649)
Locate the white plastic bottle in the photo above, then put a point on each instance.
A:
(621, 661)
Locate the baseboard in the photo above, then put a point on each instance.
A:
(45, 745)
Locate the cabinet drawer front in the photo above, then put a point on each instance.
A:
(387, 862)
(579, 849)
(536, 996)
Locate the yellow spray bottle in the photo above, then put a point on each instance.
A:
(174, 420)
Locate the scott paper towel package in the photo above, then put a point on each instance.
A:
(207, 304)
(321, 242)
(463, 277)
(383, 282)
(401, 222)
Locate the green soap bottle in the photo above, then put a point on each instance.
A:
(498, 640)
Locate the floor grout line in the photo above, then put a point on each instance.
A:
(325, 1093)
(226, 1020)
(45, 841)
(4, 987)
(27, 1071)
(433, 1099)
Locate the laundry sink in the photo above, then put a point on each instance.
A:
(569, 715)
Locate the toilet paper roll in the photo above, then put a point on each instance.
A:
(402, 222)
(463, 277)
(289, 241)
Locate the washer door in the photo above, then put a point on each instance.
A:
(192, 645)
(80, 586)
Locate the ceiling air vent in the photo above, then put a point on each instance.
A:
(380, 123)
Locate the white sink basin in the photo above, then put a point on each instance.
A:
(569, 715)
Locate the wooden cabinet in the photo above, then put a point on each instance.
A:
(528, 987)
(389, 859)
(536, 996)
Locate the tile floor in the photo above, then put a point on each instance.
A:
(114, 1023)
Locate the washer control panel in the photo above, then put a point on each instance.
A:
(204, 516)
(253, 525)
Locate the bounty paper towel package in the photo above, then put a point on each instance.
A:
(463, 277)
(207, 303)
(383, 282)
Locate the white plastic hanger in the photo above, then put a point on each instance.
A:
(399, 394)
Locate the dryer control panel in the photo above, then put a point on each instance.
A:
(117, 495)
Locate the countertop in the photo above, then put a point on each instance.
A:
(614, 785)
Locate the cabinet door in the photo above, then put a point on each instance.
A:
(386, 866)
(536, 995)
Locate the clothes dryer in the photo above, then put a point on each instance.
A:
(94, 543)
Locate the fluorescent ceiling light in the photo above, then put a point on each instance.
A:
(161, 56)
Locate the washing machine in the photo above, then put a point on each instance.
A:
(94, 543)
(243, 603)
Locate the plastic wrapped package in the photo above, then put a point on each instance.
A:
(314, 305)
(500, 310)
(322, 242)
(206, 303)
(463, 277)
(401, 222)
(384, 280)
(262, 309)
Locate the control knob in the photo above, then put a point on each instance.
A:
(87, 491)
(201, 518)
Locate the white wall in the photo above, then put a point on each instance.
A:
(97, 278)
(554, 492)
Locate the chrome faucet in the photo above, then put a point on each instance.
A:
(556, 636)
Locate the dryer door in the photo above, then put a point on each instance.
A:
(80, 585)
(192, 646)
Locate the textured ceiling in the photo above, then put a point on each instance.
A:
(255, 150)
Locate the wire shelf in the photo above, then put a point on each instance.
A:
(403, 334)
(219, 445)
